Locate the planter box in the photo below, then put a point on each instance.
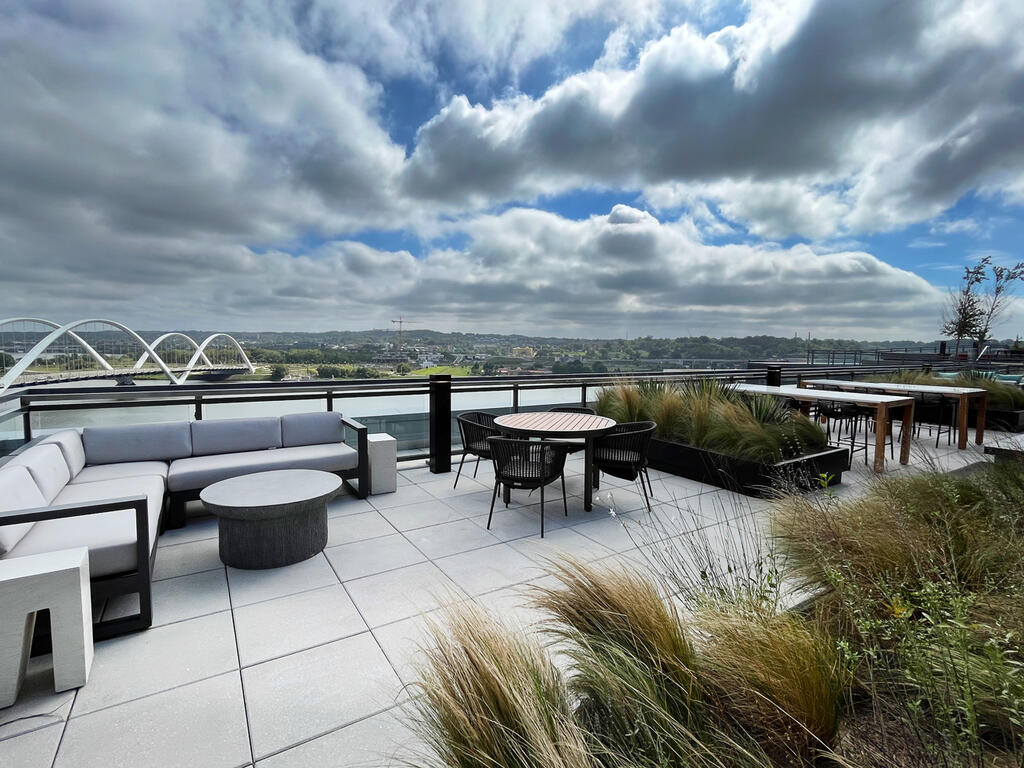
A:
(1005, 421)
(751, 478)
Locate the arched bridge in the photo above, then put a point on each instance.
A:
(38, 351)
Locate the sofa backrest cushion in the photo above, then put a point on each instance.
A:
(17, 491)
(47, 466)
(137, 442)
(70, 444)
(235, 435)
(311, 429)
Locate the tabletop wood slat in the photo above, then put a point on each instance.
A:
(554, 423)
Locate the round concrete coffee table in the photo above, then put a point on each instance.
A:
(271, 519)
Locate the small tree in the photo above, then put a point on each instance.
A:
(961, 318)
(994, 302)
(278, 372)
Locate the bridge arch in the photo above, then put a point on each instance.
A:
(201, 349)
(68, 329)
(160, 340)
(50, 324)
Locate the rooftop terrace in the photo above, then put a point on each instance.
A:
(308, 665)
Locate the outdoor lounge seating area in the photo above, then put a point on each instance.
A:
(113, 490)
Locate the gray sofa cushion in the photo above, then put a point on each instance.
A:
(110, 536)
(17, 491)
(201, 471)
(311, 429)
(235, 435)
(137, 442)
(124, 469)
(70, 444)
(47, 467)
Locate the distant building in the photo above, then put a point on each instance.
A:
(527, 352)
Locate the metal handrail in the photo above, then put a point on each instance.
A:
(30, 400)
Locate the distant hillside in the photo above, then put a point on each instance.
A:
(549, 348)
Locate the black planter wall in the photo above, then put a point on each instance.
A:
(750, 478)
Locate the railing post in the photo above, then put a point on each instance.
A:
(515, 397)
(26, 420)
(440, 403)
(773, 376)
(330, 401)
(199, 408)
(583, 394)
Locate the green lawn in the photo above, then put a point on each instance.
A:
(453, 370)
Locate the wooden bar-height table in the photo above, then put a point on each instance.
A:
(556, 425)
(963, 395)
(881, 403)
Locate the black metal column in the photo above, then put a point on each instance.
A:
(26, 420)
(773, 376)
(440, 423)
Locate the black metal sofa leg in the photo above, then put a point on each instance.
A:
(176, 512)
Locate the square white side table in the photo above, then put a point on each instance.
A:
(58, 581)
(383, 450)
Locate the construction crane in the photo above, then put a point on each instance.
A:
(400, 322)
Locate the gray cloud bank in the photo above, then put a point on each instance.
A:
(161, 164)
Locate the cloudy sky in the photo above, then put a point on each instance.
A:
(586, 168)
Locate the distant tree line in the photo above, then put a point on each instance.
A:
(356, 372)
(578, 366)
(309, 356)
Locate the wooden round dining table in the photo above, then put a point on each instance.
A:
(555, 425)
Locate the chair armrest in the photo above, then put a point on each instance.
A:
(363, 452)
(62, 511)
(356, 425)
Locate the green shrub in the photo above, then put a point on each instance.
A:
(921, 583)
(711, 414)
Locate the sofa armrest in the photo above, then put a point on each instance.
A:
(62, 511)
(363, 452)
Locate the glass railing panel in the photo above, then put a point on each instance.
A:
(544, 399)
(251, 409)
(404, 417)
(45, 422)
(11, 432)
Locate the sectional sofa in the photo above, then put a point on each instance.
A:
(113, 489)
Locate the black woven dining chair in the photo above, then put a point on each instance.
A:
(474, 428)
(527, 465)
(622, 453)
(573, 444)
(846, 416)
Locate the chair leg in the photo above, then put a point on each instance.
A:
(542, 511)
(643, 488)
(565, 504)
(494, 495)
(457, 474)
(477, 467)
(649, 486)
